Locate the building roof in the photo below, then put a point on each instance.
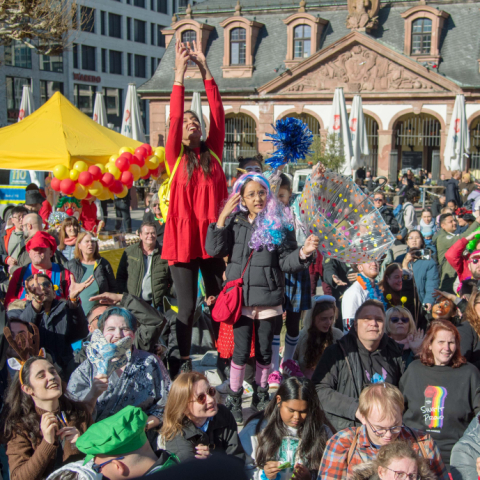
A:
(460, 43)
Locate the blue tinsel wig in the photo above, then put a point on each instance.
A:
(272, 223)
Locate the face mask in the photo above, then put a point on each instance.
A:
(108, 357)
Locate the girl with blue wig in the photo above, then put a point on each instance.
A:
(253, 231)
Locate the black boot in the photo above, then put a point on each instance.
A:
(186, 366)
(260, 398)
(234, 404)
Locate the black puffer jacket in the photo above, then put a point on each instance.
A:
(452, 192)
(103, 274)
(339, 383)
(264, 279)
(62, 326)
(221, 433)
(390, 220)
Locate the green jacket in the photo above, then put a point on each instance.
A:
(444, 241)
(131, 271)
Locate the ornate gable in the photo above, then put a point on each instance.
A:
(359, 64)
(358, 70)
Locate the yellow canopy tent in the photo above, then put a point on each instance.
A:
(58, 133)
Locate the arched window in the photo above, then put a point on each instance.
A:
(421, 36)
(302, 41)
(238, 46)
(189, 36)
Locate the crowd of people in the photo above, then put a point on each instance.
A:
(377, 377)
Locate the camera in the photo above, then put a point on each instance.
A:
(423, 254)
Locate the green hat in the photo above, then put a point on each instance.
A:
(119, 434)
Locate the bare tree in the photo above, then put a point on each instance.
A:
(45, 26)
(328, 151)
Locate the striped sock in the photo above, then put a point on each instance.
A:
(237, 374)
(261, 375)
(276, 353)
(290, 345)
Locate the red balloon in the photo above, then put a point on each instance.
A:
(95, 172)
(141, 152)
(117, 187)
(88, 197)
(85, 178)
(127, 178)
(155, 172)
(148, 148)
(122, 163)
(55, 184)
(127, 155)
(146, 177)
(107, 179)
(67, 186)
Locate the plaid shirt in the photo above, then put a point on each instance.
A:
(334, 462)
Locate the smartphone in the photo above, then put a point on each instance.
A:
(285, 465)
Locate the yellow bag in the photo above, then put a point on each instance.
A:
(164, 190)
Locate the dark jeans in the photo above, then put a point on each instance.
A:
(242, 339)
(104, 204)
(292, 323)
(185, 279)
(122, 209)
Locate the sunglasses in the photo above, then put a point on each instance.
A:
(202, 398)
(96, 468)
(378, 199)
(399, 319)
(474, 260)
(155, 205)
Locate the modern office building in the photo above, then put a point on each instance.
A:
(116, 42)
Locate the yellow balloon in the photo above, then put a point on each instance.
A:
(101, 166)
(105, 195)
(143, 171)
(80, 166)
(80, 191)
(74, 174)
(114, 171)
(113, 158)
(135, 171)
(61, 172)
(160, 153)
(96, 188)
(153, 162)
(126, 149)
(123, 193)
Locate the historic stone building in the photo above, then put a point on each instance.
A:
(277, 58)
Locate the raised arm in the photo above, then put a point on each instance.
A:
(177, 103)
(216, 135)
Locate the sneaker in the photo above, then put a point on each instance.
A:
(291, 368)
(247, 390)
(275, 379)
(186, 366)
(222, 389)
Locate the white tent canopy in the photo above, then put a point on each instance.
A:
(132, 125)
(458, 140)
(339, 126)
(99, 110)
(196, 106)
(358, 132)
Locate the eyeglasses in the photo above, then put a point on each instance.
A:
(403, 475)
(202, 398)
(399, 319)
(381, 432)
(18, 217)
(474, 260)
(96, 468)
(260, 194)
(155, 205)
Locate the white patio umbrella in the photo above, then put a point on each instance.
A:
(132, 125)
(26, 108)
(339, 126)
(458, 140)
(358, 132)
(99, 110)
(196, 106)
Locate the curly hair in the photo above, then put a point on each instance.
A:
(426, 355)
(471, 314)
(19, 413)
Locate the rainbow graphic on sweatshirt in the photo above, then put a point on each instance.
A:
(434, 406)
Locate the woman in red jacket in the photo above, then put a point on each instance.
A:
(197, 193)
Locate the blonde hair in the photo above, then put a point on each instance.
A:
(411, 324)
(181, 392)
(466, 177)
(387, 398)
(78, 253)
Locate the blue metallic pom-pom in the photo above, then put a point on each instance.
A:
(292, 140)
